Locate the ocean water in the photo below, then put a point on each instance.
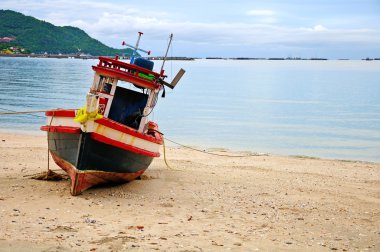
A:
(327, 109)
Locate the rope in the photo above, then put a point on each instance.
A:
(166, 162)
(194, 149)
(22, 112)
(49, 174)
(214, 154)
(12, 112)
(48, 159)
(42, 173)
(15, 112)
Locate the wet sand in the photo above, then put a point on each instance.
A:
(205, 203)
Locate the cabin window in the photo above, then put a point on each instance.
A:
(107, 88)
(127, 107)
(103, 84)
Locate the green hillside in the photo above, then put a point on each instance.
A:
(39, 36)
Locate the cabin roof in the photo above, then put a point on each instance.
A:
(126, 72)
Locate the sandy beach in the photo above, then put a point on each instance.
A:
(204, 203)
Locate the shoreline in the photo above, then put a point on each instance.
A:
(205, 150)
(204, 203)
(75, 56)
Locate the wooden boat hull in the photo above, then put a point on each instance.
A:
(89, 162)
(111, 153)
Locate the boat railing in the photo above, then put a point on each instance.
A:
(128, 72)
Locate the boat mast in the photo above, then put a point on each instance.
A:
(136, 48)
(166, 54)
(178, 76)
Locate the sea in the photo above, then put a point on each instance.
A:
(314, 108)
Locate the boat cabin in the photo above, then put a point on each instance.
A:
(126, 106)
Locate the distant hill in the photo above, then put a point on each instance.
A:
(39, 36)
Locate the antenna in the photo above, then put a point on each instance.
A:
(167, 50)
(178, 76)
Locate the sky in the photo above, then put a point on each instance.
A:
(331, 29)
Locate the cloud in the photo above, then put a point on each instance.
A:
(260, 13)
(318, 28)
(262, 16)
(112, 23)
(65, 12)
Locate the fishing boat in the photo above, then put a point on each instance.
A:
(110, 139)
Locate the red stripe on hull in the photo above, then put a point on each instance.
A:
(157, 138)
(124, 146)
(62, 113)
(62, 129)
(82, 180)
(122, 128)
